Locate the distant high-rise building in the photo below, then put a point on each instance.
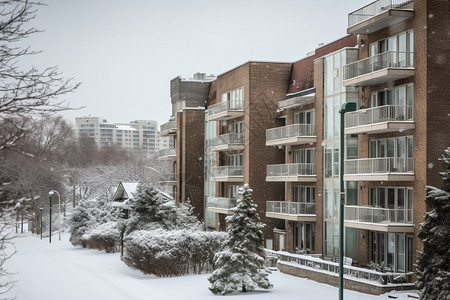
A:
(140, 134)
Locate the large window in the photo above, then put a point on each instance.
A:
(305, 156)
(304, 236)
(394, 249)
(400, 147)
(236, 98)
(236, 160)
(402, 43)
(304, 117)
(399, 199)
(304, 194)
(236, 127)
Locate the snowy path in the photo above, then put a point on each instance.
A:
(59, 271)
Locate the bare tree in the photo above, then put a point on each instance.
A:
(24, 93)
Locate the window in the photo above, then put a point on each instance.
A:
(236, 127)
(401, 47)
(400, 147)
(305, 194)
(304, 117)
(236, 160)
(305, 156)
(235, 97)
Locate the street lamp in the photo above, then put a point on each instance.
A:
(41, 208)
(346, 107)
(51, 193)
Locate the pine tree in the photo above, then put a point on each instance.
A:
(433, 265)
(239, 265)
(80, 222)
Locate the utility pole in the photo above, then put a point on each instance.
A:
(50, 222)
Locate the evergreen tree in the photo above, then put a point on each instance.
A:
(433, 265)
(80, 222)
(239, 265)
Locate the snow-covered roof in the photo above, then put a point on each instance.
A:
(125, 191)
(125, 127)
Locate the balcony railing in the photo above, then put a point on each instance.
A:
(385, 60)
(227, 140)
(290, 131)
(290, 208)
(376, 115)
(221, 203)
(167, 153)
(227, 172)
(375, 8)
(168, 179)
(379, 165)
(169, 127)
(292, 172)
(376, 215)
(224, 107)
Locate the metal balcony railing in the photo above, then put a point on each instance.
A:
(388, 59)
(291, 208)
(229, 105)
(301, 169)
(289, 131)
(378, 114)
(221, 202)
(376, 215)
(227, 171)
(379, 165)
(228, 139)
(167, 152)
(376, 8)
(171, 125)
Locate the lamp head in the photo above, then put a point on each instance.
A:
(51, 193)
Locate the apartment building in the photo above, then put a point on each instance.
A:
(185, 128)
(276, 126)
(402, 81)
(243, 108)
(140, 134)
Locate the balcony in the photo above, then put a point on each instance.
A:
(382, 119)
(226, 110)
(169, 128)
(221, 205)
(167, 154)
(303, 172)
(295, 134)
(292, 211)
(227, 174)
(378, 15)
(379, 169)
(301, 100)
(228, 142)
(379, 219)
(381, 68)
(168, 179)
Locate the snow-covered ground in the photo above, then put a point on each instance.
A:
(59, 271)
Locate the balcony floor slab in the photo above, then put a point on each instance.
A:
(383, 127)
(380, 177)
(391, 227)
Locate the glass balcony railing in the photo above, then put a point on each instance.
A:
(376, 215)
(375, 8)
(169, 127)
(289, 131)
(290, 208)
(228, 139)
(167, 152)
(227, 171)
(221, 202)
(386, 113)
(379, 165)
(287, 170)
(225, 106)
(388, 59)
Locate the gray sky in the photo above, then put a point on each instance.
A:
(126, 52)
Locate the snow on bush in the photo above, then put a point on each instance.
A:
(102, 237)
(88, 215)
(172, 253)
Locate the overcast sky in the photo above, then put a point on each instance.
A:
(126, 52)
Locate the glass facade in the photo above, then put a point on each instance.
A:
(335, 94)
(209, 163)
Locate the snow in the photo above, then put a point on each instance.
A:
(58, 270)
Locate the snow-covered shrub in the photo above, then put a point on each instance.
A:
(172, 253)
(239, 266)
(102, 237)
(151, 210)
(88, 215)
